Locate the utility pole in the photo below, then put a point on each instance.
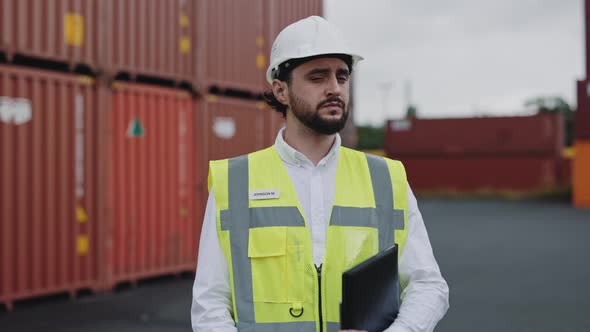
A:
(385, 88)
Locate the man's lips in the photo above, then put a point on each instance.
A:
(333, 104)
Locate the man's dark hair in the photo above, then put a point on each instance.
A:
(283, 73)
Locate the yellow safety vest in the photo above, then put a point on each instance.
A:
(267, 242)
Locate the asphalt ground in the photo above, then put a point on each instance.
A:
(511, 266)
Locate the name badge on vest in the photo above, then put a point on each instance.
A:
(264, 194)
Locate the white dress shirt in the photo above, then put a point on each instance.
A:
(425, 293)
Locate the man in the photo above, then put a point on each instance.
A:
(282, 224)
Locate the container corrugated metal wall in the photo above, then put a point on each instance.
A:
(155, 217)
(467, 174)
(280, 13)
(133, 37)
(581, 174)
(564, 166)
(522, 154)
(274, 123)
(232, 51)
(539, 134)
(63, 31)
(582, 120)
(582, 123)
(149, 37)
(48, 180)
(233, 127)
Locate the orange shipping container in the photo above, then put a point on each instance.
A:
(48, 183)
(581, 174)
(155, 210)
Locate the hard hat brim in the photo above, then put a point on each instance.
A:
(270, 72)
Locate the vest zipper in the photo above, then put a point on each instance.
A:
(319, 269)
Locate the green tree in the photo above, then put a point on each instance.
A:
(370, 138)
(555, 104)
(411, 111)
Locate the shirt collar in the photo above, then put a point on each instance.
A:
(294, 157)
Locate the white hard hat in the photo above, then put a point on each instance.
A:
(308, 37)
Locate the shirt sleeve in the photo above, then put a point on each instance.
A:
(211, 308)
(425, 295)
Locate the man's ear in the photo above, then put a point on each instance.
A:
(281, 92)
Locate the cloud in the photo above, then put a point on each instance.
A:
(461, 56)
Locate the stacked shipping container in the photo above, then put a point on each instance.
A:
(104, 181)
(232, 45)
(520, 154)
(48, 183)
(151, 192)
(152, 38)
(59, 31)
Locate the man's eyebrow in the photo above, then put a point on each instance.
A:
(318, 71)
(324, 71)
(342, 72)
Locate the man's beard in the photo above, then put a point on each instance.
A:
(311, 118)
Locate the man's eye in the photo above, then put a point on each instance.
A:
(316, 78)
(342, 78)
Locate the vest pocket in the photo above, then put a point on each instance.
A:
(267, 250)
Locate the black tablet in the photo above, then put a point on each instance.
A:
(371, 293)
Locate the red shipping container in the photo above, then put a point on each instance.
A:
(48, 183)
(274, 123)
(63, 31)
(538, 134)
(233, 127)
(133, 37)
(582, 117)
(281, 13)
(466, 174)
(232, 52)
(153, 38)
(564, 171)
(152, 195)
(349, 133)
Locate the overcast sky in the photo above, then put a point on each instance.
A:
(460, 57)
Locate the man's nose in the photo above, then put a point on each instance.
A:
(333, 87)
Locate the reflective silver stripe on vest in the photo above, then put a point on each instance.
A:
(238, 219)
(332, 327)
(390, 218)
(354, 217)
(235, 219)
(277, 327)
(384, 217)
